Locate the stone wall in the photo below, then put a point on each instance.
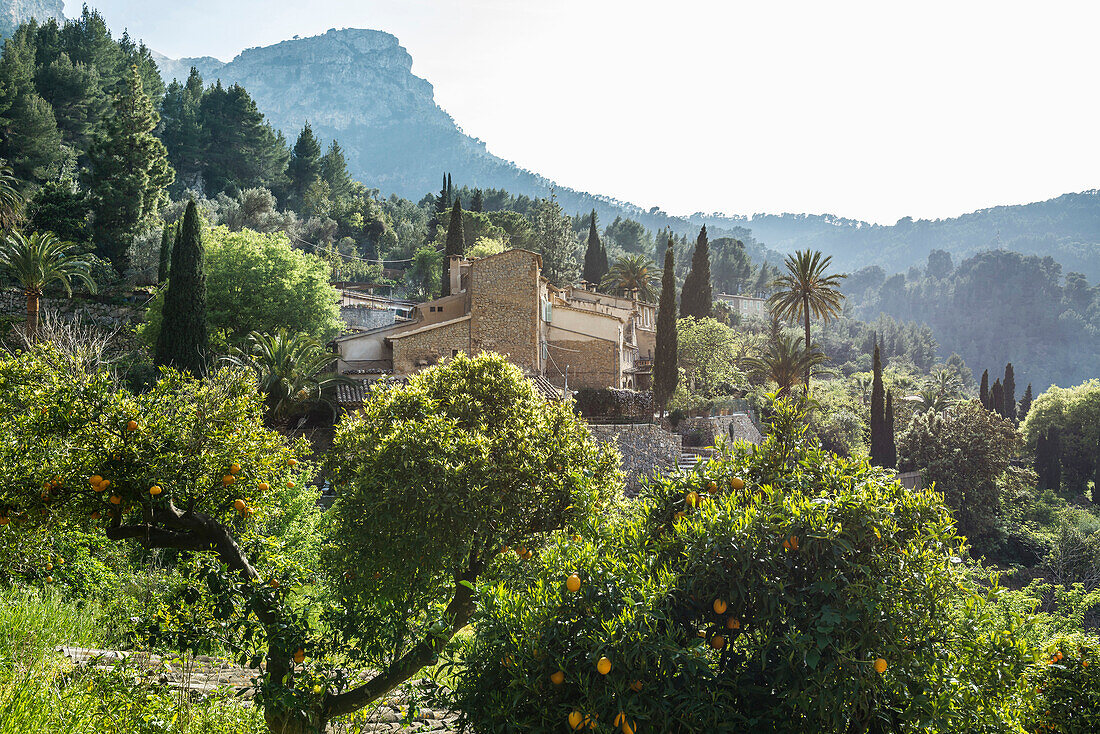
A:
(647, 449)
(365, 317)
(703, 431)
(504, 304)
(107, 317)
(415, 351)
(590, 362)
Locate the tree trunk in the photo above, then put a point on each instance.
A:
(806, 316)
(33, 298)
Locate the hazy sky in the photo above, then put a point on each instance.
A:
(872, 110)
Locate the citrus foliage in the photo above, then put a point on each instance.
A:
(781, 589)
(434, 479)
(1068, 689)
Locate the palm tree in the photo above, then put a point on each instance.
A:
(930, 399)
(11, 201)
(785, 361)
(291, 371)
(37, 261)
(806, 291)
(634, 271)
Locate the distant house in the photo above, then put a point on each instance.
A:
(565, 336)
(746, 306)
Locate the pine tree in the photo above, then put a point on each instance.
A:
(1025, 404)
(165, 254)
(478, 204)
(1010, 393)
(555, 240)
(595, 258)
(997, 398)
(695, 298)
(666, 372)
(334, 172)
(891, 443)
(456, 245)
(983, 392)
(182, 129)
(304, 168)
(182, 341)
(879, 450)
(130, 174)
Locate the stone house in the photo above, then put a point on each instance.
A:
(747, 306)
(502, 303)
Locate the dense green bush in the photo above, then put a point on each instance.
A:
(614, 403)
(757, 609)
(1075, 412)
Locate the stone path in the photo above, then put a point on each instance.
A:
(203, 675)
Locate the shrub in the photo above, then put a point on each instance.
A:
(611, 402)
(1068, 688)
(756, 609)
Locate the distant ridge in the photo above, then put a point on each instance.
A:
(15, 12)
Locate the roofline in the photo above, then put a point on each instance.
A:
(429, 327)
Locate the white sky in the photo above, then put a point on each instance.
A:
(872, 110)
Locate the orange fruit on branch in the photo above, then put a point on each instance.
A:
(636, 686)
(228, 479)
(712, 487)
(299, 655)
(235, 469)
(737, 483)
(116, 500)
(131, 426)
(880, 665)
(692, 499)
(603, 666)
(718, 642)
(155, 490)
(719, 606)
(576, 720)
(573, 583)
(733, 623)
(292, 462)
(240, 505)
(557, 678)
(263, 486)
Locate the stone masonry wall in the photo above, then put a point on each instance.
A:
(647, 449)
(703, 431)
(504, 304)
(431, 345)
(591, 363)
(365, 317)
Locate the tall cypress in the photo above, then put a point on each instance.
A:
(666, 371)
(1025, 403)
(1010, 392)
(595, 258)
(1042, 460)
(695, 298)
(478, 204)
(879, 453)
(891, 444)
(983, 392)
(1054, 448)
(997, 398)
(304, 167)
(456, 245)
(182, 341)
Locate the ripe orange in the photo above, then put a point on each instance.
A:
(235, 469)
(228, 479)
(603, 666)
(577, 538)
(557, 678)
(131, 426)
(49, 579)
(116, 500)
(94, 480)
(290, 485)
(292, 462)
(104, 484)
(712, 487)
(263, 486)
(636, 686)
(719, 606)
(299, 655)
(521, 551)
(95, 515)
(624, 724)
(880, 665)
(49, 566)
(794, 542)
(733, 623)
(591, 721)
(718, 642)
(573, 583)
(737, 483)
(678, 515)
(273, 583)
(576, 720)
(240, 505)
(692, 499)
(155, 490)
(60, 561)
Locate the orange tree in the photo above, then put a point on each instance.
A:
(781, 589)
(435, 477)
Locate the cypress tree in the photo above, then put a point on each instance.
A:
(456, 245)
(1010, 392)
(442, 204)
(1042, 461)
(1025, 403)
(165, 253)
(595, 258)
(182, 341)
(891, 444)
(695, 298)
(478, 204)
(879, 451)
(997, 398)
(983, 392)
(666, 371)
(1054, 447)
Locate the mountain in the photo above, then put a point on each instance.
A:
(1067, 228)
(14, 12)
(357, 86)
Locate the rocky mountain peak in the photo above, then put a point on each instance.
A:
(14, 12)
